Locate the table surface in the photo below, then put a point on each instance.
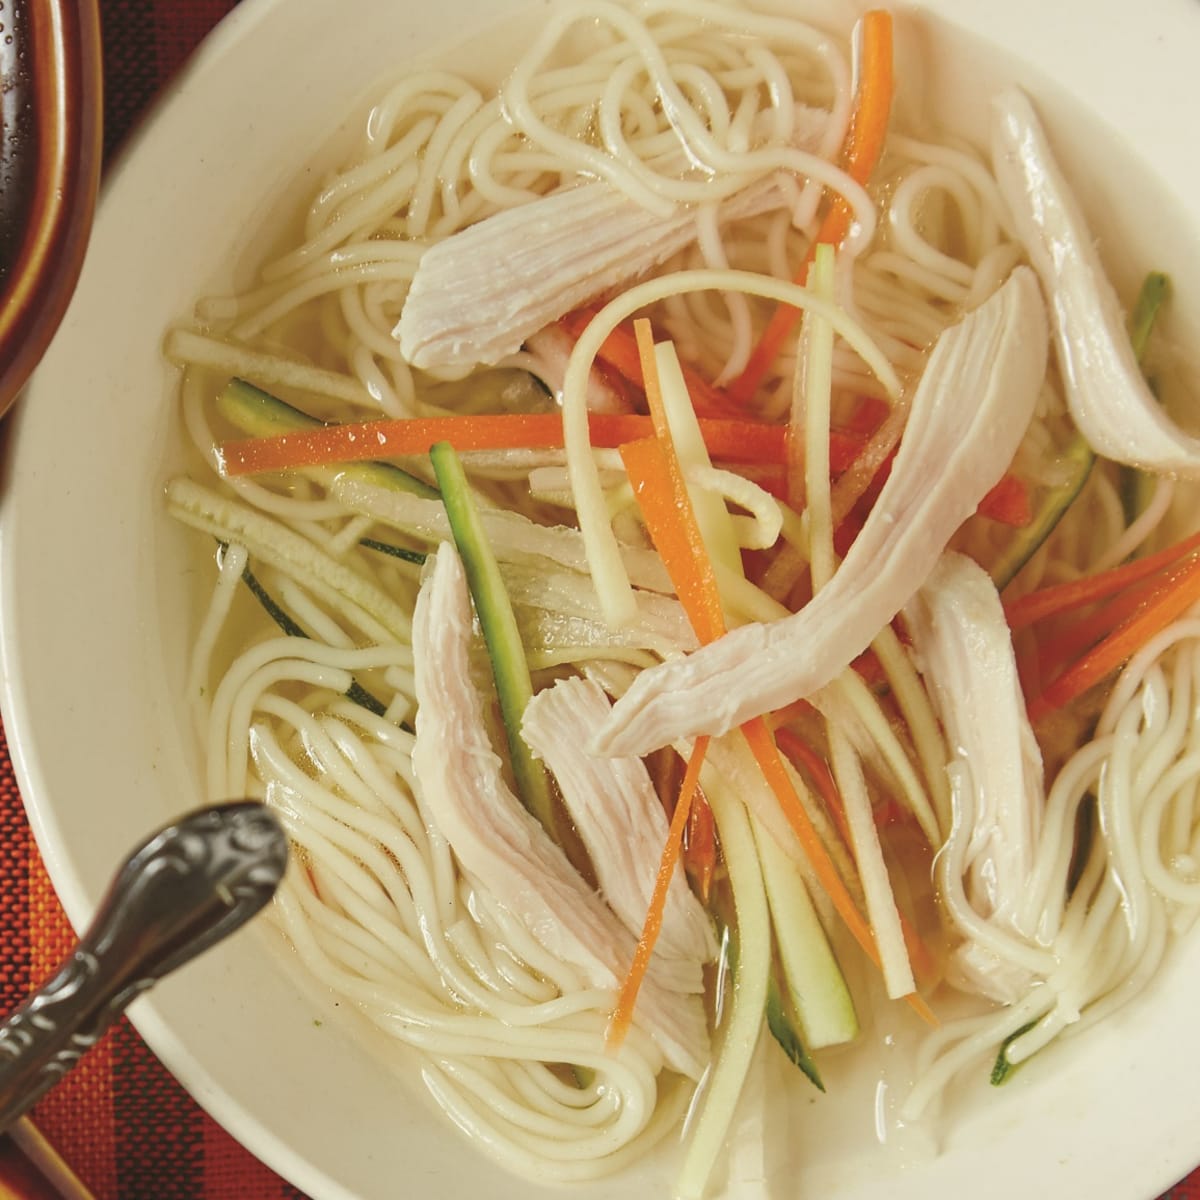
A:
(120, 1120)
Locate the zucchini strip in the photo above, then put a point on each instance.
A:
(514, 688)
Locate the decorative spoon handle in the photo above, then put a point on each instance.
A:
(178, 893)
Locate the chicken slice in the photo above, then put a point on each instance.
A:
(618, 815)
(969, 413)
(963, 648)
(1106, 392)
(503, 848)
(479, 294)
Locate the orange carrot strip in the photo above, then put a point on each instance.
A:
(730, 440)
(863, 146)
(1062, 597)
(622, 1016)
(620, 351)
(1050, 655)
(863, 473)
(1175, 597)
(817, 769)
(700, 846)
(682, 551)
(676, 539)
(797, 710)
(1008, 502)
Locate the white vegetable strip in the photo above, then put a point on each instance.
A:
(872, 870)
(968, 415)
(815, 366)
(812, 398)
(1106, 391)
(618, 814)
(510, 534)
(272, 542)
(818, 989)
(712, 517)
(499, 844)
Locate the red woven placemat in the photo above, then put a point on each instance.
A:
(120, 1120)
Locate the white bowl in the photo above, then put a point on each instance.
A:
(94, 595)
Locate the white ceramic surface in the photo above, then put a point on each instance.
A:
(93, 587)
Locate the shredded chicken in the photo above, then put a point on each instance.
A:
(618, 814)
(503, 849)
(963, 648)
(1106, 392)
(969, 413)
(479, 294)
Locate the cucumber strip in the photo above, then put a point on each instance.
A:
(751, 974)
(260, 414)
(371, 610)
(409, 556)
(782, 1021)
(1154, 293)
(814, 983)
(1078, 457)
(355, 692)
(1136, 486)
(780, 1013)
(510, 668)
(1002, 1069)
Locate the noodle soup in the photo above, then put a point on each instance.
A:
(878, 514)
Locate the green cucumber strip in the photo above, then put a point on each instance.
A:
(1002, 1069)
(1154, 293)
(780, 1013)
(355, 692)
(1079, 459)
(781, 1023)
(742, 1021)
(409, 556)
(815, 986)
(514, 688)
(1136, 486)
(259, 414)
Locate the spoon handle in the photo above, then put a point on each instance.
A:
(179, 892)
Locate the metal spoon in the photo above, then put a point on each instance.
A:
(178, 893)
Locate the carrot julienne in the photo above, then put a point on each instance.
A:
(1076, 593)
(1008, 502)
(1085, 633)
(731, 440)
(700, 846)
(1177, 594)
(620, 352)
(863, 146)
(622, 1016)
(817, 769)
